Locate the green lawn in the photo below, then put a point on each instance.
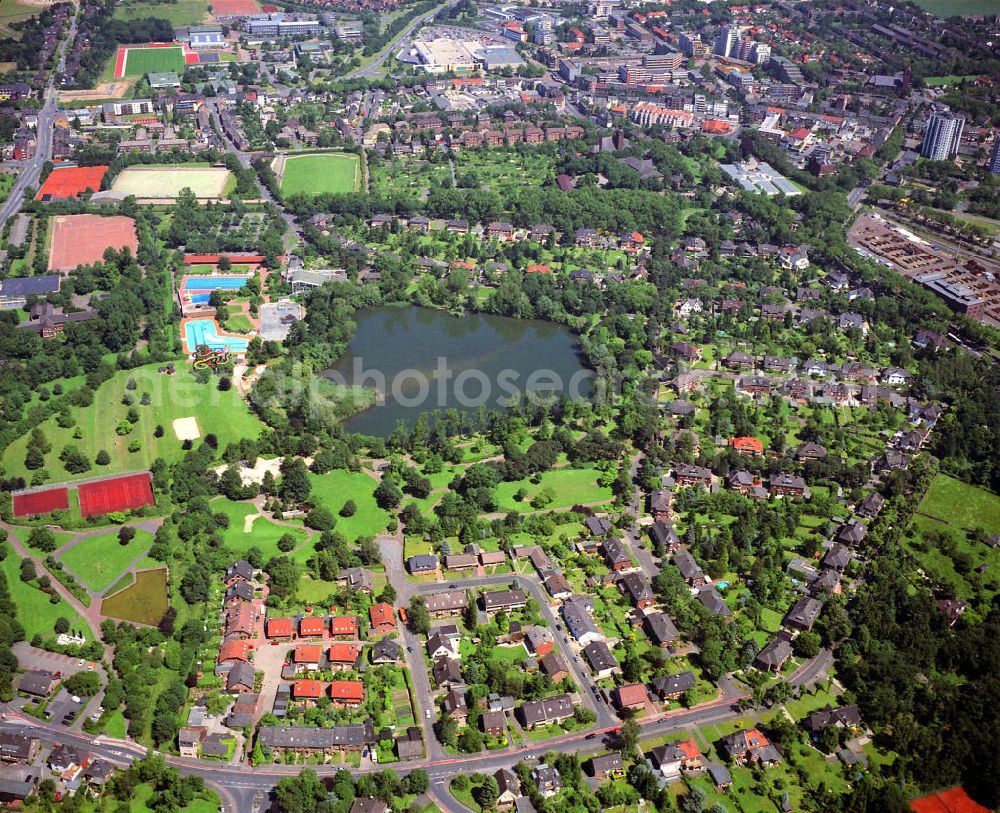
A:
(99, 560)
(22, 534)
(321, 172)
(313, 590)
(34, 610)
(567, 487)
(144, 602)
(238, 323)
(224, 414)
(178, 12)
(955, 509)
(207, 802)
(948, 8)
(263, 533)
(334, 488)
(115, 725)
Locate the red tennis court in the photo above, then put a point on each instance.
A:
(68, 182)
(955, 800)
(116, 494)
(82, 239)
(41, 502)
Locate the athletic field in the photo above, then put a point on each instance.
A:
(318, 173)
(140, 61)
(160, 183)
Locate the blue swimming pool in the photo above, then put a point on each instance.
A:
(205, 331)
(722, 585)
(199, 298)
(214, 283)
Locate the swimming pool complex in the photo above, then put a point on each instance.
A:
(206, 332)
(198, 289)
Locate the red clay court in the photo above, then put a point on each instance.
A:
(68, 182)
(955, 800)
(116, 494)
(234, 8)
(41, 502)
(82, 239)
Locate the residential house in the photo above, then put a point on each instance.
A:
(279, 628)
(423, 563)
(677, 758)
(509, 786)
(607, 766)
(554, 666)
(811, 451)
(616, 555)
(347, 692)
(312, 627)
(240, 679)
(550, 710)
(38, 683)
(713, 602)
(447, 672)
(672, 687)
(580, 622)
(455, 706)
(638, 589)
(547, 780)
(687, 474)
(803, 613)
(382, 618)
(309, 740)
(661, 629)
(344, 626)
(749, 746)
(871, 505)
(774, 655)
(601, 660)
(344, 657)
(451, 602)
(307, 657)
(506, 600)
(631, 697)
(848, 717)
(689, 569)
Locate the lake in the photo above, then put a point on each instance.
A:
(420, 359)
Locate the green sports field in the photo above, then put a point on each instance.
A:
(325, 172)
(140, 61)
(334, 488)
(166, 182)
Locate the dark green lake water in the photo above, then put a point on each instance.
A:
(423, 359)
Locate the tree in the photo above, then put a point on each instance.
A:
(102, 458)
(628, 737)
(321, 518)
(388, 495)
(417, 781)
(34, 459)
(487, 793)
(283, 576)
(286, 543)
(420, 618)
(42, 539)
(295, 486)
(349, 509)
(196, 584)
(61, 626)
(28, 572)
(807, 644)
(84, 684)
(125, 535)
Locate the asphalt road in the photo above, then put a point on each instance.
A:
(372, 68)
(43, 149)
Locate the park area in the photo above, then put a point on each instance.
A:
(336, 487)
(101, 559)
(948, 537)
(83, 239)
(139, 60)
(159, 399)
(142, 602)
(35, 611)
(318, 173)
(166, 182)
(247, 529)
(69, 182)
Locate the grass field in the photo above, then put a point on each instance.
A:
(264, 534)
(12, 12)
(158, 183)
(950, 79)
(956, 508)
(949, 8)
(206, 802)
(34, 610)
(334, 488)
(326, 172)
(178, 396)
(144, 602)
(179, 12)
(567, 487)
(140, 61)
(99, 560)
